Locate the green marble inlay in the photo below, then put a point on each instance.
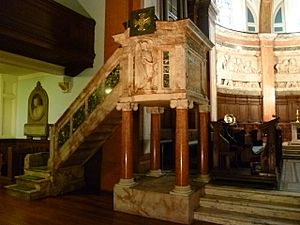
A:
(78, 118)
(112, 79)
(166, 69)
(93, 100)
(64, 134)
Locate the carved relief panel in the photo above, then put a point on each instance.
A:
(287, 71)
(238, 72)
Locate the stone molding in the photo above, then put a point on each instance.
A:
(127, 106)
(181, 104)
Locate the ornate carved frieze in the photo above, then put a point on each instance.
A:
(238, 70)
(287, 72)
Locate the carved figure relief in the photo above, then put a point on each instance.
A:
(145, 76)
(287, 65)
(237, 65)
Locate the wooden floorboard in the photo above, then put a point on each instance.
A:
(79, 208)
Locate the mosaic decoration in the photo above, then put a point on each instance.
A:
(94, 100)
(113, 78)
(78, 118)
(64, 134)
(166, 69)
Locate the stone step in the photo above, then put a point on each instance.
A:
(251, 207)
(30, 181)
(24, 192)
(41, 171)
(268, 196)
(234, 218)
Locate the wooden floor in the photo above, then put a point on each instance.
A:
(72, 209)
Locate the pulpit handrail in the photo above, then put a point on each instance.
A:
(85, 104)
(98, 78)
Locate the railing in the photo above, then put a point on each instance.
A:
(84, 106)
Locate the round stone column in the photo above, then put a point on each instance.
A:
(155, 169)
(126, 178)
(203, 143)
(182, 186)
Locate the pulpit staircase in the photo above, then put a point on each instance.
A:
(246, 206)
(74, 138)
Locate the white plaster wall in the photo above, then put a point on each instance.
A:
(291, 15)
(59, 101)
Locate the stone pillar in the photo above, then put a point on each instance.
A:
(203, 144)
(182, 186)
(268, 77)
(126, 178)
(155, 169)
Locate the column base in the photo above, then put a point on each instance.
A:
(126, 182)
(155, 173)
(202, 178)
(181, 190)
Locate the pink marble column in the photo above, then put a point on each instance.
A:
(126, 176)
(268, 77)
(182, 186)
(155, 169)
(203, 144)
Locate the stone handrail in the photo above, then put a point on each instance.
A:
(83, 107)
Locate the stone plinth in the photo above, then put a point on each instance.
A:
(153, 200)
(290, 174)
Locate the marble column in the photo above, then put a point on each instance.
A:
(155, 169)
(182, 186)
(126, 177)
(203, 144)
(268, 77)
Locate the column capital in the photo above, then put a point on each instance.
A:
(127, 106)
(181, 104)
(155, 110)
(267, 36)
(204, 108)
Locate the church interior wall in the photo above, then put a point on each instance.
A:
(239, 76)
(59, 101)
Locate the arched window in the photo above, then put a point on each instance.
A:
(278, 25)
(251, 25)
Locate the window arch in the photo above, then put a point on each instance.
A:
(278, 20)
(251, 21)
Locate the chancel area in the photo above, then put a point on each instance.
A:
(184, 112)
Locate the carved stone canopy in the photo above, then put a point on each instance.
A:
(37, 113)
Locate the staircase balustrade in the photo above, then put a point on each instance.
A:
(92, 96)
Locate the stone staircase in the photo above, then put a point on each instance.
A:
(81, 131)
(36, 181)
(245, 206)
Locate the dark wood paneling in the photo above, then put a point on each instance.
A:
(286, 107)
(47, 31)
(12, 155)
(248, 109)
(245, 108)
